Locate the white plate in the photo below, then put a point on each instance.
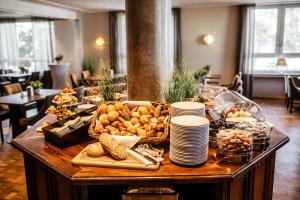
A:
(85, 106)
(187, 105)
(189, 120)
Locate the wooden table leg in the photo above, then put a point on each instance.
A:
(16, 113)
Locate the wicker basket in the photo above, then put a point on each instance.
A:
(151, 140)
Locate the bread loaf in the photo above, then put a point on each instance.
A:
(117, 150)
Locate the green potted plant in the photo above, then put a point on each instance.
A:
(182, 86)
(36, 85)
(89, 64)
(106, 83)
(59, 58)
(202, 73)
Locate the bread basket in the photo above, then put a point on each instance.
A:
(131, 104)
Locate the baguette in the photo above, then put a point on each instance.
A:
(116, 150)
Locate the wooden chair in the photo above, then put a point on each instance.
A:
(85, 74)
(13, 88)
(213, 79)
(295, 93)
(41, 113)
(4, 114)
(75, 80)
(47, 79)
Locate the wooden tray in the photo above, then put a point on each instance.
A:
(83, 159)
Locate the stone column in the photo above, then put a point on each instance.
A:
(148, 48)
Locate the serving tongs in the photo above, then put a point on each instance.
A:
(146, 154)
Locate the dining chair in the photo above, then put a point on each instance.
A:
(239, 87)
(294, 92)
(234, 82)
(8, 71)
(75, 80)
(79, 93)
(4, 115)
(41, 113)
(13, 88)
(85, 74)
(47, 79)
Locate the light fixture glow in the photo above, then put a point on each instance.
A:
(100, 42)
(281, 62)
(208, 39)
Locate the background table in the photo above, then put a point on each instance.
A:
(16, 103)
(15, 77)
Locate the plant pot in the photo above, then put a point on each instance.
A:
(36, 91)
(59, 73)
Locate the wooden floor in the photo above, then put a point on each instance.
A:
(287, 173)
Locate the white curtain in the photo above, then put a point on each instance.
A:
(120, 42)
(42, 44)
(247, 47)
(9, 53)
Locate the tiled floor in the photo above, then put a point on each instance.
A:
(287, 174)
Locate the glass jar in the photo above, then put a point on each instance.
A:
(235, 145)
(214, 127)
(260, 131)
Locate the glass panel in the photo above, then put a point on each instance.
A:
(24, 39)
(293, 64)
(265, 64)
(291, 39)
(265, 30)
(268, 65)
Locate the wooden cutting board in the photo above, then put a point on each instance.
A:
(83, 159)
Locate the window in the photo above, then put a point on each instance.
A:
(276, 35)
(26, 44)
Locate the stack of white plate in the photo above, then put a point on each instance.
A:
(189, 140)
(187, 108)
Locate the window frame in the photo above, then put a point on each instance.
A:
(279, 38)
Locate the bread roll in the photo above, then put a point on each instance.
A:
(102, 108)
(112, 115)
(118, 105)
(157, 111)
(116, 150)
(143, 110)
(95, 150)
(110, 108)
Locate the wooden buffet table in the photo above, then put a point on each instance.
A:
(51, 175)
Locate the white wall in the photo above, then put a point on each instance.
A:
(68, 42)
(223, 23)
(94, 25)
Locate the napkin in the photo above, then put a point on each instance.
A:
(127, 141)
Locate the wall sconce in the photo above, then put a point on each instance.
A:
(208, 39)
(99, 42)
